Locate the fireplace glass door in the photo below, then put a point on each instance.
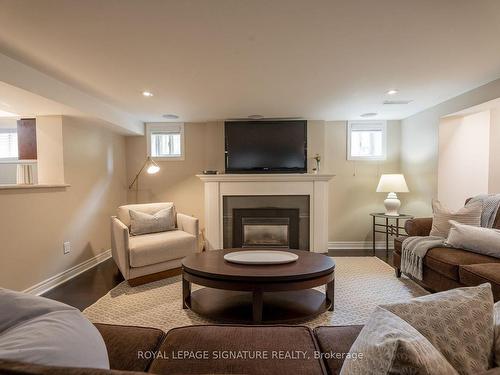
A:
(266, 232)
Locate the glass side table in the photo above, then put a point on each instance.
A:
(390, 227)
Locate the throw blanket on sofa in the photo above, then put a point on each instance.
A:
(491, 203)
(413, 252)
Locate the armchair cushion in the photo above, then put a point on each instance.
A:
(147, 208)
(160, 247)
(143, 223)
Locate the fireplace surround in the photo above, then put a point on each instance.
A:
(268, 217)
(314, 187)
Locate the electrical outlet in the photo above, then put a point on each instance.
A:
(67, 247)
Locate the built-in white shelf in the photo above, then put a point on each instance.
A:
(34, 186)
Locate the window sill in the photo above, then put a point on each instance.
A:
(366, 158)
(34, 186)
(168, 158)
(16, 161)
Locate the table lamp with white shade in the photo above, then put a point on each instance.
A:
(392, 184)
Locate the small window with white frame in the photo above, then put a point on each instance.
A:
(165, 140)
(8, 144)
(366, 140)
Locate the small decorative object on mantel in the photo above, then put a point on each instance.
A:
(25, 174)
(256, 257)
(209, 172)
(317, 158)
(392, 184)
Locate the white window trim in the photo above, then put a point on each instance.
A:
(378, 125)
(9, 159)
(174, 127)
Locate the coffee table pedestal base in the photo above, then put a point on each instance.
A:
(243, 307)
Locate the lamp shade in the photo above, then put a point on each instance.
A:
(392, 183)
(151, 166)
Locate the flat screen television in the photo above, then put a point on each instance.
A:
(266, 146)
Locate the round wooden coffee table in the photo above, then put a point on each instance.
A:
(259, 294)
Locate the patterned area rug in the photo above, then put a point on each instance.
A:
(361, 283)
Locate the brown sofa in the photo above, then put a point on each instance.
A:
(446, 268)
(131, 351)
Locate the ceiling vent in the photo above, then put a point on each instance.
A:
(391, 102)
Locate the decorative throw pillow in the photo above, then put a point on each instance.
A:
(389, 345)
(470, 215)
(458, 322)
(476, 239)
(38, 330)
(143, 223)
(497, 334)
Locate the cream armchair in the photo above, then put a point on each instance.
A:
(149, 257)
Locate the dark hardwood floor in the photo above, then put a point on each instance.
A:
(86, 288)
(381, 254)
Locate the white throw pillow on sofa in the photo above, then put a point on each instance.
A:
(476, 239)
(41, 331)
(470, 214)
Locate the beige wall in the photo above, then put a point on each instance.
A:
(419, 146)
(352, 191)
(49, 144)
(463, 160)
(494, 180)
(176, 181)
(34, 223)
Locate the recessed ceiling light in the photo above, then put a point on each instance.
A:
(392, 92)
(255, 117)
(8, 114)
(147, 94)
(369, 114)
(170, 116)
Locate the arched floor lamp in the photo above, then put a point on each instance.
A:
(151, 168)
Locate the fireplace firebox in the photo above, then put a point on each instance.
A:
(266, 227)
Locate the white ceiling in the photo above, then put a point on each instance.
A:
(26, 104)
(217, 59)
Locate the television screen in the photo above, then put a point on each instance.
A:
(266, 146)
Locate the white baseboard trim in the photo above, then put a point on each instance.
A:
(358, 245)
(46, 285)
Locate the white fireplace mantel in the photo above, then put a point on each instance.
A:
(314, 185)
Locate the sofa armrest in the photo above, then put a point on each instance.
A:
(124, 344)
(418, 227)
(119, 246)
(188, 224)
